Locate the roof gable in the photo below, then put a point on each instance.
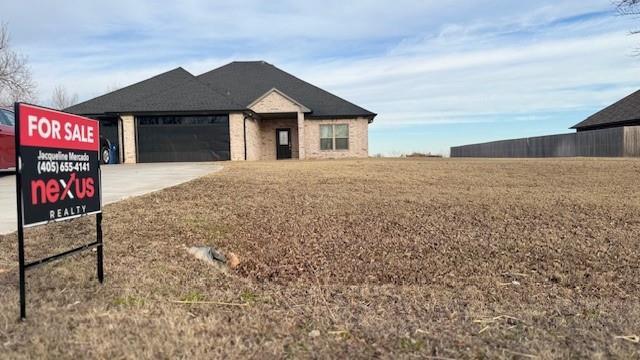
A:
(627, 109)
(275, 101)
(117, 100)
(247, 81)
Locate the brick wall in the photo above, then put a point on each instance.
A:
(237, 125)
(275, 103)
(254, 139)
(358, 139)
(236, 135)
(129, 138)
(302, 153)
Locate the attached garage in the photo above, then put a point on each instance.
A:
(183, 138)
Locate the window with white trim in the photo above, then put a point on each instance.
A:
(334, 137)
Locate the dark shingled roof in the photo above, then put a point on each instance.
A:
(245, 81)
(228, 88)
(176, 90)
(117, 100)
(624, 111)
(190, 95)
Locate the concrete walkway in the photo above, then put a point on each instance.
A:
(118, 182)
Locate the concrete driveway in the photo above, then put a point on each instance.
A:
(118, 182)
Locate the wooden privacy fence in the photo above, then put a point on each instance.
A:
(613, 142)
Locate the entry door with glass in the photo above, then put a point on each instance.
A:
(283, 143)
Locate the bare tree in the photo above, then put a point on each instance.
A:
(61, 99)
(628, 7)
(16, 83)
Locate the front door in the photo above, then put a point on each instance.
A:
(283, 143)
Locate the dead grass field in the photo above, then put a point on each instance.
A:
(384, 258)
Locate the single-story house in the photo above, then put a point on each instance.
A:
(611, 132)
(240, 111)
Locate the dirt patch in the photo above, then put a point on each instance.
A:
(390, 258)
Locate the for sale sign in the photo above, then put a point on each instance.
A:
(60, 175)
(57, 178)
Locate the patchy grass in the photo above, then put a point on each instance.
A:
(356, 258)
(249, 297)
(194, 297)
(408, 344)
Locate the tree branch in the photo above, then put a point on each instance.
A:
(16, 83)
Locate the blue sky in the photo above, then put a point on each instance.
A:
(438, 73)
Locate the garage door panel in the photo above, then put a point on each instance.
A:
(193, 138)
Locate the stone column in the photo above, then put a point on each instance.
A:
(236, 136)
(301, 139)
(129, 139)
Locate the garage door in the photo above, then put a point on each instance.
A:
(183, 138)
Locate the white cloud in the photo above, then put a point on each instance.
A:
(413, 62)
(574, 67)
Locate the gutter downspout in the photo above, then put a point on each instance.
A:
(244, 124)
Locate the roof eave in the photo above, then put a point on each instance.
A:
(608, 124)
(325, 116)
(166, 112)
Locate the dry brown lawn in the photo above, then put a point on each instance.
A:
(358, 258)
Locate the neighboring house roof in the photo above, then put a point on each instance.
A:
(234, 86)
(623, 111)
(245, 81)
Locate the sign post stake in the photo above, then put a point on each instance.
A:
(99, 253)
(23, 300)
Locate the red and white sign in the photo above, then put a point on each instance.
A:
(53, 129)
(60, 171)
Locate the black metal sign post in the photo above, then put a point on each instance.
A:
(23, 306)
(58, 178)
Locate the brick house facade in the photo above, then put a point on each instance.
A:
(241, 111)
